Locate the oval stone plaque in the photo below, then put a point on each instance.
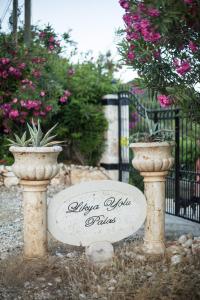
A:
(96, 211)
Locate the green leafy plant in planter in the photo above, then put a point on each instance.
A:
(37, 137)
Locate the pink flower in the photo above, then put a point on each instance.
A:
(193, 47)
(136, 17)
(22, 66)
(15, 100)
(132, 47)
(4, 74)
(183, 68)
(188, 1)
(67, 93)
(42, 34)
(152, 36)
(63, 99)
(11, 70)
(124, 4)
(71, 71)
(4, 60)
(13, 114)
(153, 12)
(142, 7)
(144, 23)
(176, 62)
(127, 19)
(51, 39)
(135, 36)
(38, 60)
(164, 100)
(48, 108)
(156, 54)
(132, 36)
(36, 73)
(131, 55)
(42, 93)
(22, 103)
(25, 81)
(15, 72)
(51, 47)
(42, 113)
(137, 91)
(136, 26)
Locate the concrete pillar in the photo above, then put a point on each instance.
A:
(154, 190)
(110, 157)
(35, 167)
(35, 218)
(124, 107)
(153, 160)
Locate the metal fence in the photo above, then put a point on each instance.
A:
(183, 181)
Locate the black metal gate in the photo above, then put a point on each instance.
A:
(183, 181)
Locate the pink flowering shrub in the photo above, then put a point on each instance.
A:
(26, 91)
(161, 40)
(40, 83)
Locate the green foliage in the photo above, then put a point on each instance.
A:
(5, 156)
(190, 152)
(136, 179)
(161, 41)
(82, 121)
(37, 137)
(84, 126)
(20, 142)
(80, 116)
(153, 133)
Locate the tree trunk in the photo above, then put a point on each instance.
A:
(15, 17)
(27, 23)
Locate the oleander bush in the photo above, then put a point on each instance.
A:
(161, 41)
(43, 83)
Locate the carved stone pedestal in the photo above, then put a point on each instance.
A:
(35, 218)
(35, 166)
(153, 160)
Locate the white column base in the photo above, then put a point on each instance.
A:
(35, 218)
(154, 237)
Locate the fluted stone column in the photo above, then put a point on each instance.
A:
(35, 166)
(154, 238)
(153, 160)
(35, 217)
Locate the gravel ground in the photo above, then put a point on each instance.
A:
(11, 219)
(66, 274)
(11, 222)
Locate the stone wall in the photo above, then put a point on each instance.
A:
(68, 175)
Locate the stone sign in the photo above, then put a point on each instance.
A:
(96, 211)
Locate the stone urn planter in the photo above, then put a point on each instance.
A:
(35, 166)
(153, 160)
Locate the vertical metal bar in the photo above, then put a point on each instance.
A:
(177, 162)
(155, 119)
(119, 137)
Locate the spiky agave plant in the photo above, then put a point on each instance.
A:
(154, 134)
(20, 142)
(37, 137)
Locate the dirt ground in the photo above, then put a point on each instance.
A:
(66, 274)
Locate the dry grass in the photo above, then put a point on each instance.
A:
(126, 279)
